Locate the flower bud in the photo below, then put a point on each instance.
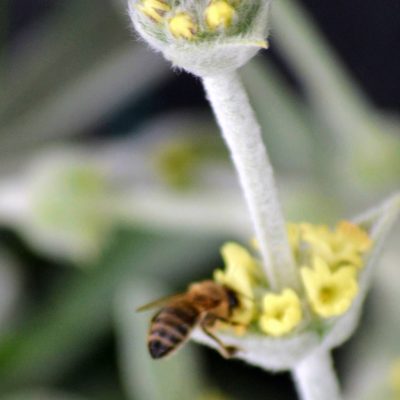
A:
(219, 13)
(204, 37)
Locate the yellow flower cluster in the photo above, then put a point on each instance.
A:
(219, 14)
(281, 313)
(329, 262)
(343, 246)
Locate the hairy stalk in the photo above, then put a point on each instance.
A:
(242, 135)
(315, 377)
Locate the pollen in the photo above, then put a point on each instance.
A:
(219, 14)
(330, 293)
(182, 26)
(281, 313)
(154, 9)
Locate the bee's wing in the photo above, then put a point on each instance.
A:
(160, 302)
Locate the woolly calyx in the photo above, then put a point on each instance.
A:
(201, 36)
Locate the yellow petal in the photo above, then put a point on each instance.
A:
(281, 313)
(330, 293)
(236, 255)
(240, 275)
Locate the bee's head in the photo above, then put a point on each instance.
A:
(232, 299)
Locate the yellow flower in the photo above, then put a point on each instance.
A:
(281, 313)
(234, 253)
(182, 26)
(330, 292)
(155, 9)
(343, 246)
(219, 13)
(353, 233)
(241, 273)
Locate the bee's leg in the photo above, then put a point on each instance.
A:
(225, 351)
(229, 322)
(237, 327)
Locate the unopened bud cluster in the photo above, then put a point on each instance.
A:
(219, 14)
(329, 262)
(203, 36)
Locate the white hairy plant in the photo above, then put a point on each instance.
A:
(313, 308)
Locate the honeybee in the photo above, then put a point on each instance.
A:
(203, 304)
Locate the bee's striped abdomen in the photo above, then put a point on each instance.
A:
(170, 328)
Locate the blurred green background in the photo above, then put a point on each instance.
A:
(115, 188)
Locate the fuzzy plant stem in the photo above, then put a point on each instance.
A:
(242, 134)
(315, 377)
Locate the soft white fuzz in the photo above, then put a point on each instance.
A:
(315, 378)
(242, 135)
